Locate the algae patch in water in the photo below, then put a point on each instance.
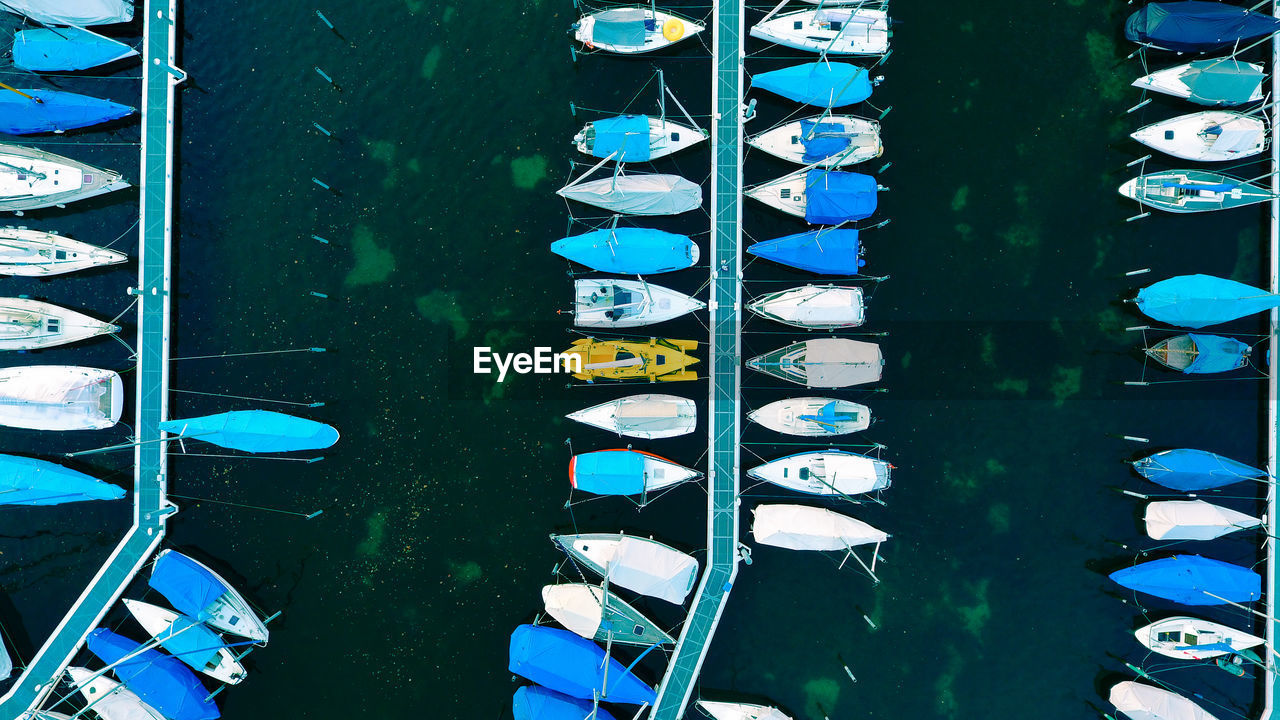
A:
(998, 517)
(1101, 50)
(975, 616)
(375, 533)
(988, 352)
(820, 696)
(1247, 254)
(945, 685)
(466, 572)
(373, 264)
(1018, 386)
(440, 306)
(528, 171)
(384, 151)
(964, 230)
(431, 62)
(960, 199)
(1066, 382)
(906, 360)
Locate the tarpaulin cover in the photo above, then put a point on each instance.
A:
(191, 642)
(27, 481)
(255, 431)
(836, 197)
(65, 49)
(1195, 301)
(1193, 520)
(162, 682)
(822, 140)
(821, 83)
(608, 472)
(801, 527)
(620, 26)
(827, 252)
(629, 251)
(559, 660)
(534, 702)
(1196, 25)
(188, 586)
(627, 135)
(54, 111)
(1191, 470)
(1222, 82)
(1215, 354)
(73, 12)
(645, 194)
(1192, 580)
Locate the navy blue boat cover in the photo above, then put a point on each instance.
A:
(1192, 470)
(1192, 580)
(836, 197)
(1196, 25)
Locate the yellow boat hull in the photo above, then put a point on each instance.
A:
(655, 360)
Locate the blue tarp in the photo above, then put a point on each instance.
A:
(1215, 354)
(826, 252)
(836, 197)
(573, 665)
(191, 642)
(1194, 301)
(1221, 82)
(65, 49)
(1192, 470)
(820, 83)
(629, 251)
(608, 472)
(1195, 25)
(186, 584)
(255, 431)
(1192, 580)
(534, 702)
(626, 134)
(27, 481)
(54, 111)
(828, 418)
(161, 681)
(822, 140)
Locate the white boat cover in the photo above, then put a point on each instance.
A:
(1194, 520)
(648, 194)
(653, 569)
(59, 397)
(839, 362)
(73, 12)
(111, 700)
(800, 527)
(741, 711)
(1144, 702)
(1236, 139)
(579, 608)
(6, 662)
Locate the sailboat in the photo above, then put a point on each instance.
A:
(1192, 470)
(255, 431)
(109, 699)
(28, 481)
(800, 527)
(823, 363)
(562, 661)
(161, 681)
(199, 593)
(66, 49)
(642, 416)
(637, 138)
(1196, 26)
(1194, 520)
(31, 325)
(1218, 82)
(34, 253)
(1196, 354)
(824, 84)
(813, 416)
(626, 472)
(30, 111)
(643, 566)
(1209, 136)
(1190, 638)
(813, 307)
(633, 30)
(829, 141)
(657, 360)
(592, 612)
(1190, 191)
(825, 251)
(1192, 580)
(629, 251)
(60, 397)
(825, 472)
(189, 641)
(821, 197)
(863, 30)
(628, 303)
(741, 711)
(636, 194)
(1145, 702)
(1194, 301)
(31, 179)
(79, 13)
(534, 702)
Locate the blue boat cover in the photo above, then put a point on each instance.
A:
(534, 702)
(608, 472)
(27, 481)
(620, 26)
(1215, 354)
(1192, 580)
(1195, 301)
(821, 83)
(161, 681)
(186, 584)
(822, 140)
(1221, 82)
(1192, 470)
(836, 197)
(191, 642)
(626, 134)
(629, 251)
(1196, 25)
(255, 431)
(572, 665)
(65, 49)
(826, 252)
(827, 417)
(54, 111)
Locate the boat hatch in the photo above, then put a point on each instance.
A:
(662, 360)
(797, 25)
(784, 193)
(1168, 134)
(52, 325)
(804, 473)
(675, 136)
(1169, 636)
(638, 630)
(60, 254)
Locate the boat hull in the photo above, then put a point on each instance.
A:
(31, 179)
(54, 111)
(650, 416)
(589, 612)
(785, 141)
(626, 472)
(813, 307)
(1189, 638)
(627, 303)
(813, 417)
(1209, 136)
(825, 472)
(823, 363)
(1170, 81)
(644, 566)
(31, 325)
(60, 397)
(1191, 191)
(158, 622)
(33, 253)
(665, 138)
(667, 30)
(658, 360)
(840, 32)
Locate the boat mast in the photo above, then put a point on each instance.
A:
(662, 98)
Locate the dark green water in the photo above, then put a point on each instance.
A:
(1007, 138)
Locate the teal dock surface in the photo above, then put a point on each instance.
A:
(725, 353)
(150, 506)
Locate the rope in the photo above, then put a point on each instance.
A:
(243, 397)
(123, 234)
(246, 354)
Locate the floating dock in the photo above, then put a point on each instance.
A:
(150, 506)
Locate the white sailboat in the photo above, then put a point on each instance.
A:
(647, 567)
(592, 612)
(1208, 136)
(800, 527)
(79, 13)
(31, 178)
(640, 137)
(741, 711)
(627, 303)
(823, 363)
(647, 416)
(1144, 702)
(1194, 520)
(1189, 638)
(832, 31)
(30, 325)
(637, 194)
(1221, 81)
(825, 472)
(188, 644)
(60, 397)
(813, 416)
(109, 699)
(816, 307)
(633, 30)
(33, 253)
(228, 611)
(830, 141)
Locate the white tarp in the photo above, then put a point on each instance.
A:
(741, 711)
(59, 397)
(111, 700)
(578, 607)
(799, 527)
(653, 569)
(1236, 139)
(817, 306)
(6, 662)
(649, 194)
(1194, 520)
(73, 12)
(839, 362)
(1144, 702)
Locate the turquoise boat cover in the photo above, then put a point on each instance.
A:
(534, 702)
(161, 681)
(608, 472)
(1194, 25)
(822, 140)
(627, 135)
(188, 586)
(255, 431)
(620, 26)
(54, 111)
(828, 418)
(65, 49)
(1192, 580)
(1192, 470)
(1215, 354)
(837, 197)
(826, 252)
(191, 642)
(573, 665)
(825, 84)
(1194, 301)
(629, 251)
(27, 481)
(1221, 82)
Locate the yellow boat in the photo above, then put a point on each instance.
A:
(658, 360)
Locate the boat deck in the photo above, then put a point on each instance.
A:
(725, 353)
(151, 508)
